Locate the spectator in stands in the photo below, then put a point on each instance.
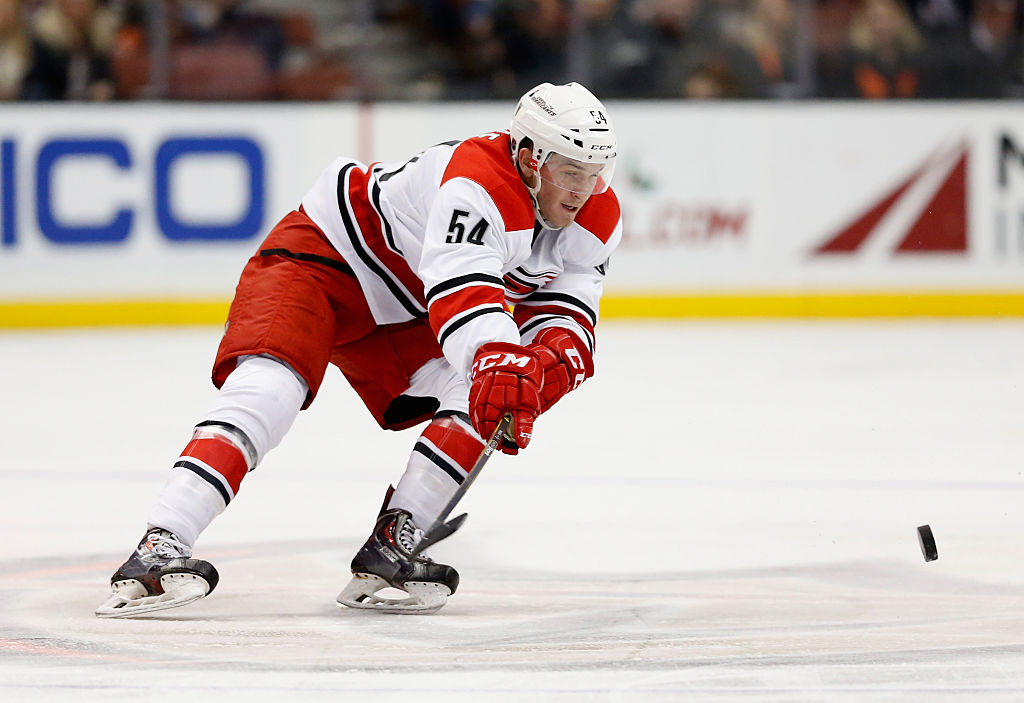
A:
(222, 50)
(666, 37)
(940, 17)
(15, 49)
(713, 77)
(980, 60)
(231, 22)
(695, 51)
(72, 43)
(832, 20)
(604, 52)
(996, 27)
(534, 34)
(769, 35)
(883, 57)
(463, 33)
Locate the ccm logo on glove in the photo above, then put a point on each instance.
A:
(565, 361)
(492, 360)
(574, 358)
(506, 380)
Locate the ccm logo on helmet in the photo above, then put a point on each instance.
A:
(506, 359)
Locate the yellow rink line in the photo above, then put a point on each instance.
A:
(816, 305)
(106, 313)
(111, 313)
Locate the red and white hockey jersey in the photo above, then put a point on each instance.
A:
(451, 235)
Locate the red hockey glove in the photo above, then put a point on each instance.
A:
(566, 362)
(506, 379)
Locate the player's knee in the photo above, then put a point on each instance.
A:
(261, 399)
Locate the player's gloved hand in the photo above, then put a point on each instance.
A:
(566, 362)
(506, 379)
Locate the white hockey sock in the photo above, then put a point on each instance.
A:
(439, 463)
(262, 397)
(186, 505)
(255, 408)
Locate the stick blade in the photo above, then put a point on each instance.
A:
(442, 531)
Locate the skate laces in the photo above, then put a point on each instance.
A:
(410, 535)
(161, 543)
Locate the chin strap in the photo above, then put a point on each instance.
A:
(540, 217)
(533, 191)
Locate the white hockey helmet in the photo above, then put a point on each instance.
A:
(568, 120)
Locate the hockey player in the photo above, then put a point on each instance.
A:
(404, 276)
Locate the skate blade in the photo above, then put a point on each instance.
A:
(129, 597)
(422, 598)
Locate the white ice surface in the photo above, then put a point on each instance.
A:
(727, 511)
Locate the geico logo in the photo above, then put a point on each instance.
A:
(60, 153)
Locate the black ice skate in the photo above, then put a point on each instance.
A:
(159, 574)
(386, 560)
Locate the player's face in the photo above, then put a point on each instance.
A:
(566, 185)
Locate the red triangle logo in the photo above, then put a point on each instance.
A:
(940, 227)
(857, 232)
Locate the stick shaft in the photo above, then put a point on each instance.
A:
(437, 530)
(492, 444)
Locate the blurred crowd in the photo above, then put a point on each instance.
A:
(96, 50)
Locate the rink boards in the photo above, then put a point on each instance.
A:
(142, 214)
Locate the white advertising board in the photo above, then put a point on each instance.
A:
(823, 197)
(166, 202)
(151, 201)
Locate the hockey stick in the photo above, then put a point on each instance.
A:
(440, 529)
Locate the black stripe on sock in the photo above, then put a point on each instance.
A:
(206, 476)
(454, 413)
(436, 458)
(237, 433)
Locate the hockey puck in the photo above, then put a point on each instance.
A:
(927, 541)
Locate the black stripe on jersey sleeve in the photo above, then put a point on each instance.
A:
(446, 286)
(453, 326)
(353, 235)
(313, 258)
(546, 296)
(439, 461)
(206, 476)
(541, 319)
(536, 274)
(526, 284)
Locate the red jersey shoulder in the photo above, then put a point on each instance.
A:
(600, 215)
(487, 162)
